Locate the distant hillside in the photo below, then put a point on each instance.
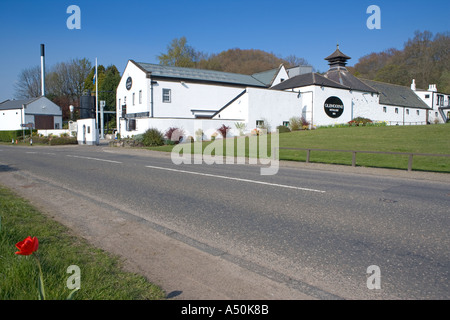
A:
(250, 61)
(247, 61)
(425, 58)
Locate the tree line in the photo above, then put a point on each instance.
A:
(66, 82)
(425, 58)
(244, 61)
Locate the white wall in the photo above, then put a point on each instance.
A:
(10, 119)
(434, 114)
(188, 96)
(312, 105)
(58, 133)
(273, 106)
(86, 133)
(140, 82)
(189, 126)
(281, 75)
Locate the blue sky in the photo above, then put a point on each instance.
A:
(115, 31)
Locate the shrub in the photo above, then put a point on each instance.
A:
(174, 134)
(359, 121)
(283, 129)
(305, 123)
(199, 135)
(241, 127)
(62, 141)
(223, 130)
(139, 138)
(295, 123)
(153, 138)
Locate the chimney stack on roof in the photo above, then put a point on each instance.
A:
(432, 88)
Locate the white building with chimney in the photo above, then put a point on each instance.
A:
(438, 102)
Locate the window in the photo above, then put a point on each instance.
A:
(131, 125)
(167, 95)
(140, 96)
(435, 114)
(384, 109)
(133, 98)
(418, 112)
(407, 111)
(440, 100)
(125, 100)
(396, 110)
(259, 123)
(56, 125)
(286, 123)
(427, 96)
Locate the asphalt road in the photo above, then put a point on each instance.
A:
(316, 230)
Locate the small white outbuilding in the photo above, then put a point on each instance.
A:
(38, 113)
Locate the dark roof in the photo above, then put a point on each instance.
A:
(267, 77)
(337, 54)
(337, 59)
(161, 71)
(15, 104)
(308, 79)
(396, 95)
(345, 78)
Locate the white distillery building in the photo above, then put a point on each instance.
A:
(39, 113)
(438, 102)
(155, 96)
(338, 97)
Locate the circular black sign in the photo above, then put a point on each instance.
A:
(129, 83)
(334, 107)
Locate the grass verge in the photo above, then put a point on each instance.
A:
(102, 277)
(433, 139)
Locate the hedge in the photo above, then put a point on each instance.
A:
(7, 136)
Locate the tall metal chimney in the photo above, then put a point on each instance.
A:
(42, 70)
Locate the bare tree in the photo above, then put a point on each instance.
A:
(28, 84)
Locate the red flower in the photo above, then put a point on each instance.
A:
(27, 246)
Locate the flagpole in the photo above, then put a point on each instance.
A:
(96, 95)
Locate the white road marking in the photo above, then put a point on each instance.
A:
(96, 159)
(237, 179)
(48, 153)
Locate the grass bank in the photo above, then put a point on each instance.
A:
(434, 139)
(102, 277)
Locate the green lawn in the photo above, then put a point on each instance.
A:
(434, 139)
(102, 277)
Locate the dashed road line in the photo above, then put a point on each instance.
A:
(236, 179)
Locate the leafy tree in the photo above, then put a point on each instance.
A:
(179, 54)
(108, 86)
(89, 80)
(425, 58)
(395, 74)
